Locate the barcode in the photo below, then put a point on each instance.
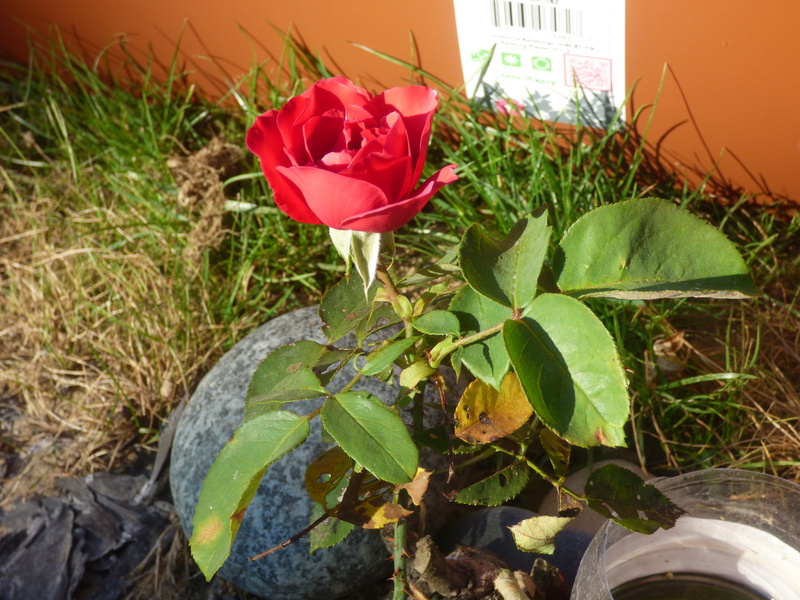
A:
(537, 17)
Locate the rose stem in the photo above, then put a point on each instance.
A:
(399, 576)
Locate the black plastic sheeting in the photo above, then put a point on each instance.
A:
(81, 544)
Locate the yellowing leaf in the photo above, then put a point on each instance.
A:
(485, 414)
(557, 450)
(418, 486)
(538, 534)
(325, 473)
(374, 513)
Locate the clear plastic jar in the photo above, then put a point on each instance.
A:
(741, 529)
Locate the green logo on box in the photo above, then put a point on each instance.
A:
(480, 55)
(542, 63)
(511, 60)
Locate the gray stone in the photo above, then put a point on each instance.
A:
(281, 507)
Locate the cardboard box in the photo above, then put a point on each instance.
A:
(728, 103)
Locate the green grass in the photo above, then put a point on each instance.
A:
(102, 267)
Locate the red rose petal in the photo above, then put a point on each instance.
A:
(336, 92)
(337, 156)
(323, 134)
(389, 173)
(409, 100)
(336, 161)
(394, 216)
(290, 127)
(331, 197)
(397, 183)
(265, 141)
(416, 104)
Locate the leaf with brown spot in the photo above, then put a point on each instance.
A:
(568, 506)
(325, 473)
(233, 480)
(345, 306)
(207, 531)
(484, 415)
(238, 517)
(284, 376)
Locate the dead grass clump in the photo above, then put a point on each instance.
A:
(96, 343)
(200, 177)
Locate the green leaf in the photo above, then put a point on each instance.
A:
(486, 359)
(506, 270)
(649, 248)
(383, 357)
(372, 435)
(570, 371)
(538, 534)
(622, 496)
(284, 376)
(328, 533)
(497, 488)
(381, 315)
(437, 322)
(233, 479)
(344, 307)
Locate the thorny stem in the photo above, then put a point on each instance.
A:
(399, 558)
(436, 360)
(399, 550)
(479, 336)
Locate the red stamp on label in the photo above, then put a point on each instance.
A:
(588, 72)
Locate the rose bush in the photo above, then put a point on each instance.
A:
(546, 373)
(337, 156)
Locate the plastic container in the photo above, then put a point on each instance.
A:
(740, 527)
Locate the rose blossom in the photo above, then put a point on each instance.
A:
(337, 156)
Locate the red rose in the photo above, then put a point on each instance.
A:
(337, 156)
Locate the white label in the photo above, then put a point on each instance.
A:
(559, 60)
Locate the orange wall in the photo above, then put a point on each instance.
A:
(730, 96)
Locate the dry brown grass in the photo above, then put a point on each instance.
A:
(756, 423)
(96, 343)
